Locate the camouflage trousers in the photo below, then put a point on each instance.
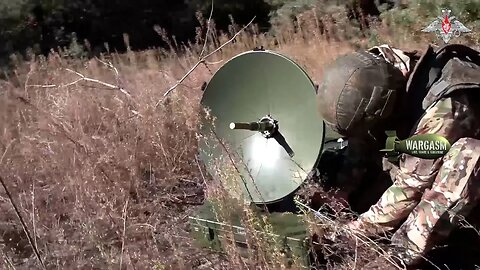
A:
(454, 193)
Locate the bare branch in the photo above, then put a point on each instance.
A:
(24, 225)
(201, 172)
(213, 63)
(86, 79)
(230, 40)
(111, 66)
(108, 86)
(208, 32)
(202, 59)
(43, 85)
(115, 87)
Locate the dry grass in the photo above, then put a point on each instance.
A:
(104, 180)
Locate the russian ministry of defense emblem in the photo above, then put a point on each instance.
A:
(446, 27)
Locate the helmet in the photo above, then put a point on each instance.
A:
(358, 91)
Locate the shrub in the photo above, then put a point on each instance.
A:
(419, 14)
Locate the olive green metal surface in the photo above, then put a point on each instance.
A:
(247, 88)
(286, 232)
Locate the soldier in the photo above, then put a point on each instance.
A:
(363, 94)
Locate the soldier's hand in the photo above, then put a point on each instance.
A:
(366, 229)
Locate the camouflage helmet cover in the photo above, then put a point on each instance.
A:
(358, 91)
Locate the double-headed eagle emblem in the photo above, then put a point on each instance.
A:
(446, 27)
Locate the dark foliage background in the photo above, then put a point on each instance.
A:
(37, 26)
(45, 24)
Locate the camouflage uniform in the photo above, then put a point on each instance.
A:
(432, 195)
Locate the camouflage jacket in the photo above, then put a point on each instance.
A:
(414, 175)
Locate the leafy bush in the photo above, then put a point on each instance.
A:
(420, 13)
(285, 11)
(49, 24)
(16, 27)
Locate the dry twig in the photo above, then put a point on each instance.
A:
(24, 225)
(202, 60)
(201, 172)
(124, 232)
(5, 152)
(208, 32)
(33, 216)
(356, 254)
(86, 79)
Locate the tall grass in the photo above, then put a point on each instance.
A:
(106, 180)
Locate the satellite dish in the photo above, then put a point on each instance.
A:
(261, 125)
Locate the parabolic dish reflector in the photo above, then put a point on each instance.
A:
(261, 132)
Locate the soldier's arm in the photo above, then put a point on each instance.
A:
(413, 176)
